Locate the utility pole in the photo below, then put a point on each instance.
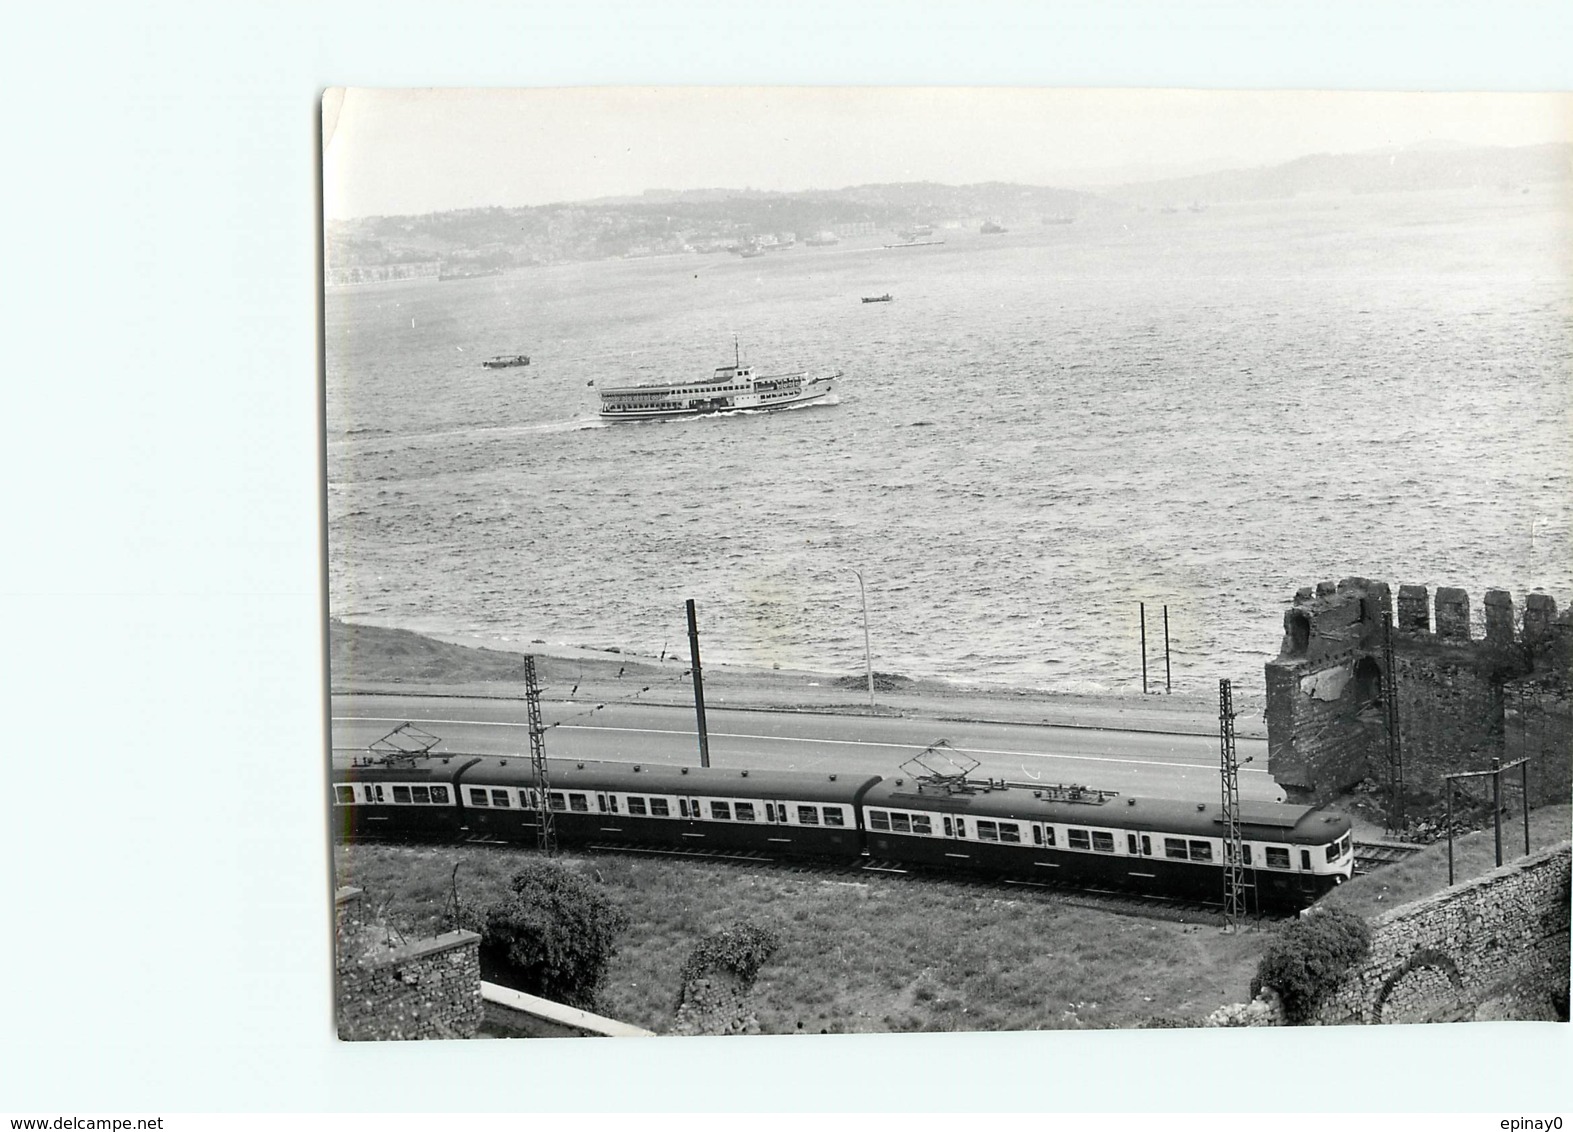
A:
(545, 825)
(1168, 684)
(1229, 771)
(1143, 607)
(699, 685)
(1395, 750)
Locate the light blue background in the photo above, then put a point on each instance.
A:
(166, 945)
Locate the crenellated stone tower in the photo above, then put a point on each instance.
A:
(1462, 700)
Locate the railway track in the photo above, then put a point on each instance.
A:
(1370, 855)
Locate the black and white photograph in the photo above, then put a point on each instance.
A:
(893, 560)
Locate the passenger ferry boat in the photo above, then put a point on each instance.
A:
(734, 387)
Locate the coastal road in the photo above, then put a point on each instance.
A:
(1133, 762)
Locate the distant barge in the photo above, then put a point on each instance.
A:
(507, 361)
(885, 298)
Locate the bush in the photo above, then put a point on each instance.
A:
(553, 936)
(742, 949)
(1307, 958)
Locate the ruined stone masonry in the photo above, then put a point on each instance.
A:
(387, 989)
(1462, 700)
(1493, 946)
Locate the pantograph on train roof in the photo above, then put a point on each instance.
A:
(941, 769)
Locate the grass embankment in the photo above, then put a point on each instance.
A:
(856, 957)
(1474, 854)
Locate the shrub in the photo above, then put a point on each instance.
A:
(742, 948)
(1307, 958)
(553, 936)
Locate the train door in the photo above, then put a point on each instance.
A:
(776, 815)
(955, 827)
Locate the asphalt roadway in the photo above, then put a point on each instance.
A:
(1141, 763)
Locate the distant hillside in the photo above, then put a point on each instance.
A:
(666, 222)
(1401, 170)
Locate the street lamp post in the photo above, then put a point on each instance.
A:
(868, 655)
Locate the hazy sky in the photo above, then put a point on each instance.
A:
(397, 152)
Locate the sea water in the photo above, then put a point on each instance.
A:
(1043, 429)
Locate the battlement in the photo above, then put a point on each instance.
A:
(1335, 621)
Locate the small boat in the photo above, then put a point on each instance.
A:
(734, 387)
(885, 298)
(506, 361)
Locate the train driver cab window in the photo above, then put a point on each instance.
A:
(479, 797)
(807, 815)
(1305, 859)
(1332, 852)
(345, 795)
(1277, 858)
(500, 799)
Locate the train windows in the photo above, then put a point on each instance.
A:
(900, 823)
(612, 798)
(1130, 844)
(1102, 842)
(600, 800)
(745, 810)
(420, 795)
(558, 801)
(880, 820)
(500, 799)
(1048, 835)
(770, 811)
(920, 824)
(374, 793)
(1078, 839)
(1201, 851)
(1276, 858)
(961, 827)
(834, 816)
(439, 795)
(682, 806)
(1245, 852)
(401, 795)
(636, 806)
(579, 803)
(478, 797)
(1174, 849)
(1305, 859)
(1037, 835)
(345, 795)
(807, 815)
(1332, 852)
(721, 811)
(988, 831)
(1011, 832)
(659, 808)
(1146, 846)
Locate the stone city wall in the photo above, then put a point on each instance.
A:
(1444, 957)
(1462, 700)
(430, 988)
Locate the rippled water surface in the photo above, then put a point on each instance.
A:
(1204, 410)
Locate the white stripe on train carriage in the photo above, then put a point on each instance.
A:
(1204, 765)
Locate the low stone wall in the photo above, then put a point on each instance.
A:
(430, 988)
(1449, 956)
